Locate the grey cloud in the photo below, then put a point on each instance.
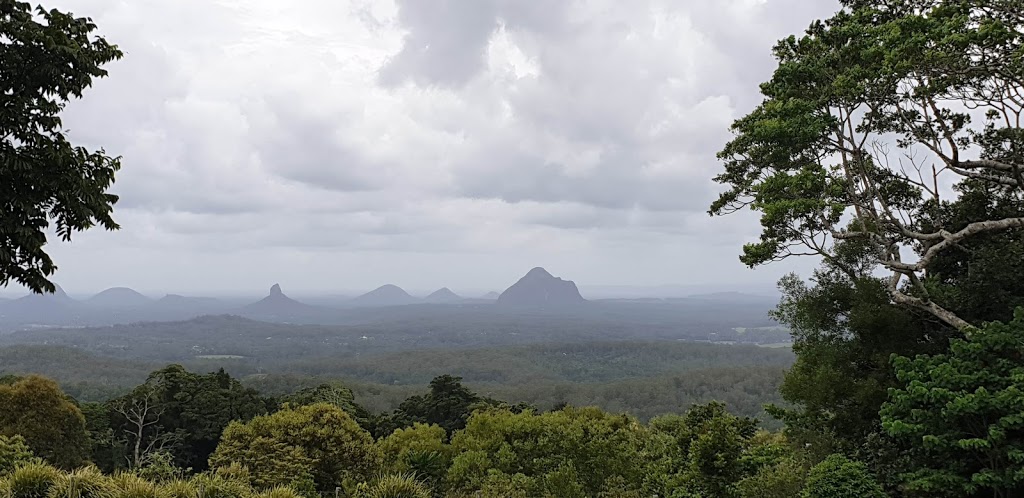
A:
(311, 149)
(335, 146)
(619, 100)
(445, 41)
(616, 182)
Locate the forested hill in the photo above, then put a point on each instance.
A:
(228, 335)
(642, 378)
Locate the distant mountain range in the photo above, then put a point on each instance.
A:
(538, 289)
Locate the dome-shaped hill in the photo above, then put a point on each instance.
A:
(119, 297)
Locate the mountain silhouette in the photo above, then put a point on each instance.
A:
(538, 288)
(443, 295)
(57, 307)
(58, 296)
(277, 305)
(491, 296)
(385, 295)
(119, 297)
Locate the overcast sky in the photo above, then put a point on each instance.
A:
(334, 146)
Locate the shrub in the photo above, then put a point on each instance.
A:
(215, 486)
(132, 486)
(86, 482)
(396, 486)
(179, 488)
(32, 481)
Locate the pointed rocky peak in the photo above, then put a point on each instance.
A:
(276, 304)
(58, 296)
(538, 288)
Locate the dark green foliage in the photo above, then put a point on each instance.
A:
(14, 452)
(645, 379)
(862, 114)
(105, 450)
(332, 394)
(709, 452)
(840, 477)
(980, 277)
(844, 331)
(159, 467)
(963, 414)
(54, 428)
(503, 451)
(573, 452)
(46, 58)
(420, 450)
(188, 410)
(783, 478)
(320, 442)
(448, 405)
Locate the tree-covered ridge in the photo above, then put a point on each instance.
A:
(645, 379)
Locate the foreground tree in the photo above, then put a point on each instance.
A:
(868, 117)
(448, 405)
(708, 454)
(320, 442)
(46, 58)
(181, 412)
(419, 450)
(332, 394)
(844, 331)
(36, 409)
(573, 452)
(963, 415)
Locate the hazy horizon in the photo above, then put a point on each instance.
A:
(589, 291)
